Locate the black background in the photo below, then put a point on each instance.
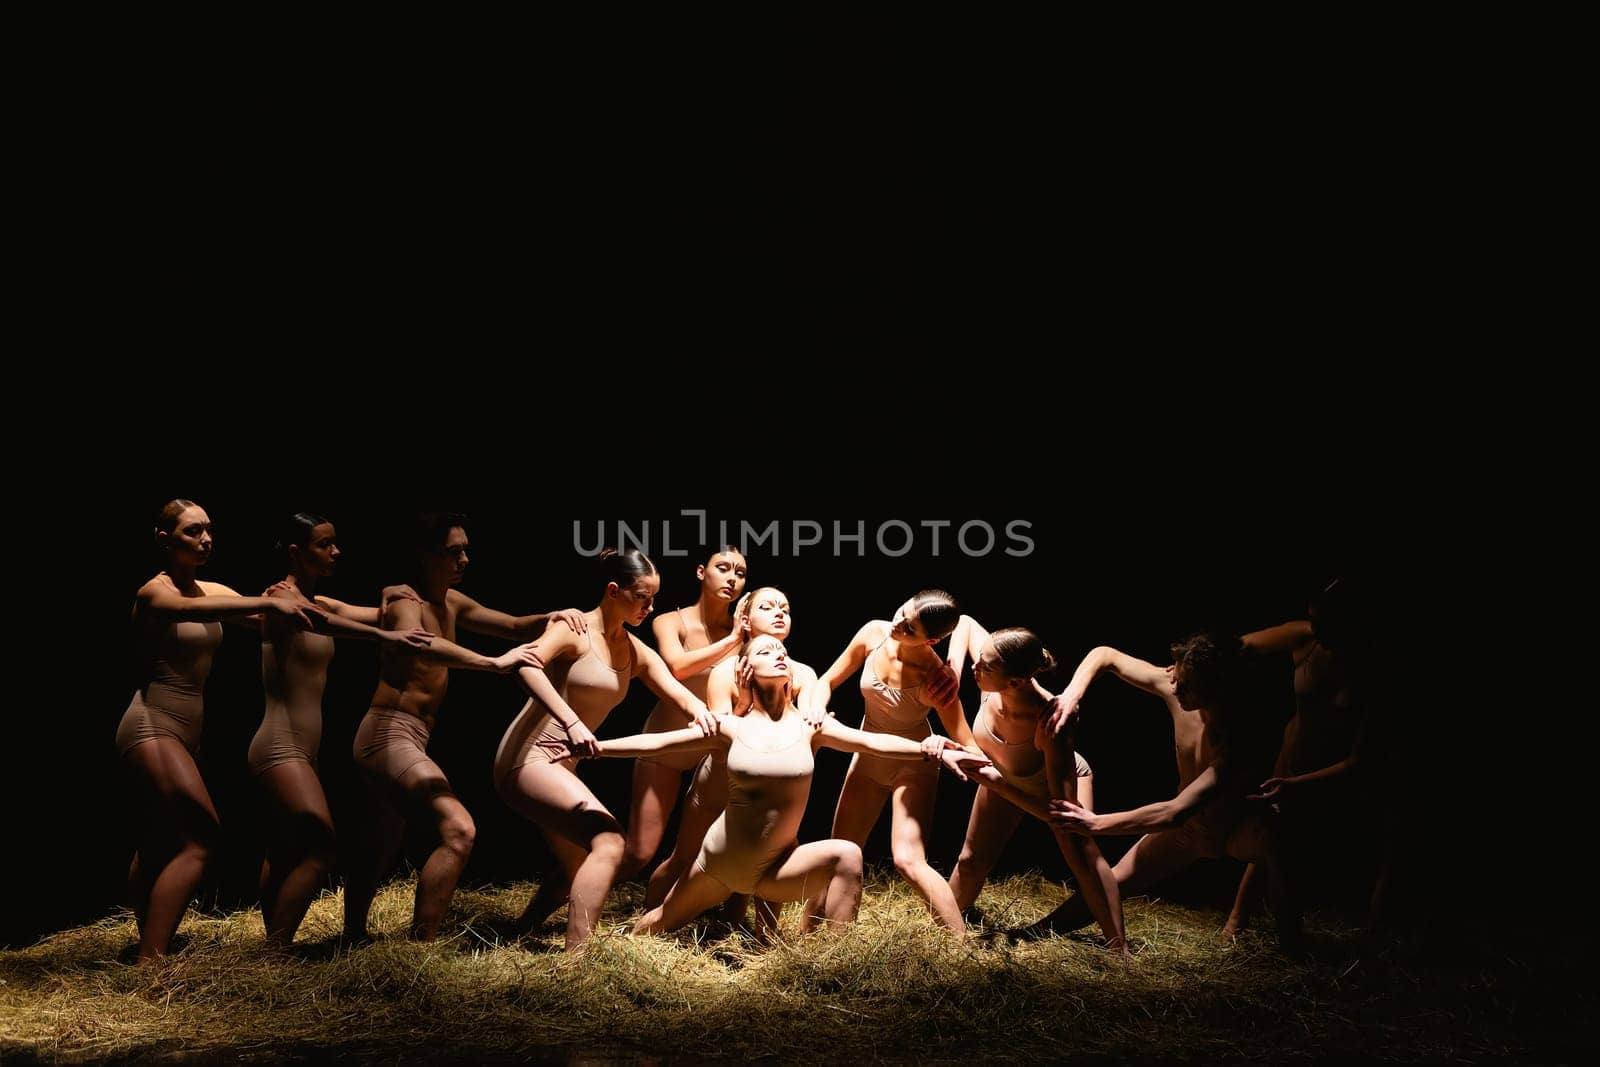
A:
(1192, 337)
(1123, 571)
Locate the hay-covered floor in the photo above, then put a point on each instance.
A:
(891, 989)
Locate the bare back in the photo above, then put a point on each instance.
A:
(415, 684)
(1191, 746)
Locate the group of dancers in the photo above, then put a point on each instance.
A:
(735, 715)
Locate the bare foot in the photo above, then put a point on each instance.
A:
(538, 911)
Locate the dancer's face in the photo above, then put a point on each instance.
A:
(769, 613)
(906, 628)
(986, 669)
(768, 658)
(321, 552)
(723, 576)
(448, 562)
(638, 600)
(190, 540)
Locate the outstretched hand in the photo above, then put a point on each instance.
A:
(417, 638)
(1276, 791)
(391, 593)
(581, 741)
(941, 687)
(702, 718)
(963, 763)
(517, 658)
(1063, 716)
(744, 685)
(575, 620)
(302, 613)
(1072, 817)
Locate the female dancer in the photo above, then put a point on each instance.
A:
(178, 618)
(579, 679)
(770, 751)
(763, 611)
(1030, 767)
(691, 641)
(283, 754)
(902, 679)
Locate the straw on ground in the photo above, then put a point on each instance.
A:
(891, 987)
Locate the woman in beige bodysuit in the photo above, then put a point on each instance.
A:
(762, 611)
(178, 619)
(581, 678)
(770, 750)
(283, 753)
(691, 641)
(1030, 767)
(902, 679)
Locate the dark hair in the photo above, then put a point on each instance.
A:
(1336, 615)
(1208, 664)
(937, 612)
(624, 567)
(430, 529)
(296, 530)
(167, 514)
(1021, 653)
(725, 550)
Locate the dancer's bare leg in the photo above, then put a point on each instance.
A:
(913, 820)
(180, 832)
(556, 800)
(302, 850)
(707, 797)
(826, 875)
(993, 821)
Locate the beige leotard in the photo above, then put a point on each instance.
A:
(590, 688)
(767, 791)
(172, 703)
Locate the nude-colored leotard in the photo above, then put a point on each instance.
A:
(767, 790)
(590, 688)
(172, 703)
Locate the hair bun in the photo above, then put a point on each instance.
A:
(1047, 661)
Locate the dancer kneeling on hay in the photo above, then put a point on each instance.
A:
(751, 848)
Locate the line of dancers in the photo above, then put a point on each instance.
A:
(736, 716)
